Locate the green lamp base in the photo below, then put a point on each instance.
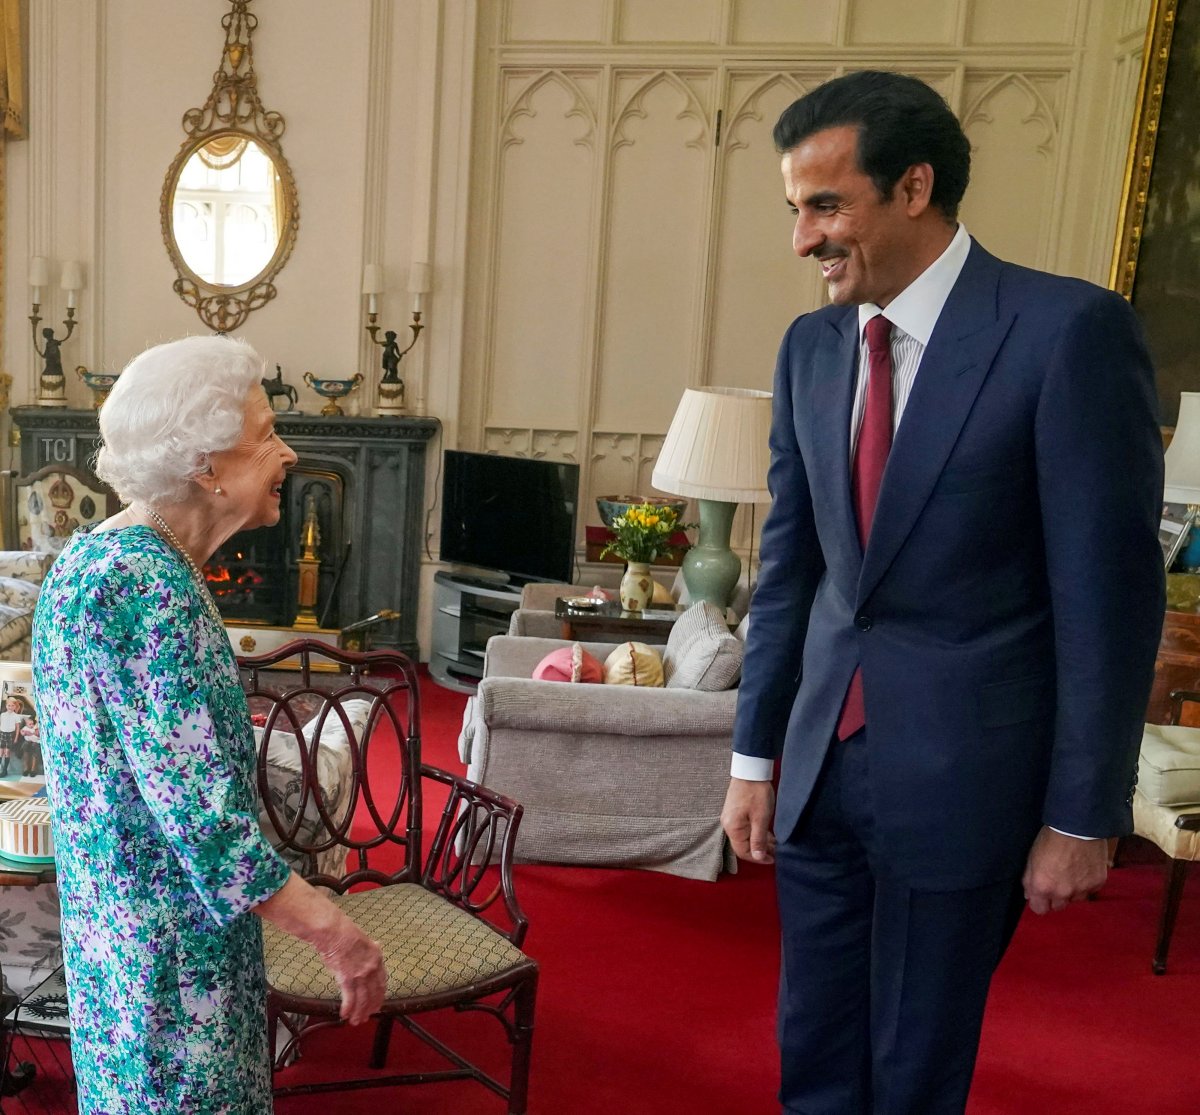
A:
(710, 568)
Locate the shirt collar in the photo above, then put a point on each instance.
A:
(916, 308)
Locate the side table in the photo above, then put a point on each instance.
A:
(1177, 665)
(16, 873)
(609, 619)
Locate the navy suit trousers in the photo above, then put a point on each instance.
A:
(882, 986)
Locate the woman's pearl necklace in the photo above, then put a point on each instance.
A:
(161, 526)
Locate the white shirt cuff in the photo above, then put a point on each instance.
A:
(751, 767)
(1073, 835)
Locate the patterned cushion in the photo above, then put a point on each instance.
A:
(25, 565)
(285, 781)
(701, 651)
(634, 664)
(429, 946)
(15, 625)
(18, 593)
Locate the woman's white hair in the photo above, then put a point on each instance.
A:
(171, 408)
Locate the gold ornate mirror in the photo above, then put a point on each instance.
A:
(229, 207)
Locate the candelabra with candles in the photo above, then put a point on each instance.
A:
(52, 383)
(390, 389)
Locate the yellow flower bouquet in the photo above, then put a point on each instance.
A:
(643, 532)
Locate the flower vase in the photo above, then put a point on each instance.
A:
(637, 586)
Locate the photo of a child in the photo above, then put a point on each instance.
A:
(31, 745)
(13, 717)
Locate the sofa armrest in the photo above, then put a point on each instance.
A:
(614, 710)
(530, 623)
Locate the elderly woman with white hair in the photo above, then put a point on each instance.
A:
(149, 756)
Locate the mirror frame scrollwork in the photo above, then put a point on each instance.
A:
(232, 108)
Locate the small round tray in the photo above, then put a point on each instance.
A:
(582, 603)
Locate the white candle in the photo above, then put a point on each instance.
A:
(372, 286)
(72, 280)
(39, 276)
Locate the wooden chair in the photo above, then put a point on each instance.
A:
(1166, 807)
(426, 911)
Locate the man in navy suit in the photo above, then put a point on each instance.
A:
(953, 636)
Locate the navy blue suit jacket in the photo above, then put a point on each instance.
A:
(1007, 609)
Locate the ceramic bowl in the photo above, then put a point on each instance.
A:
(612, 506)
(333, 388)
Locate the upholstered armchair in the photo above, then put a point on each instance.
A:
(1166, 807)
(614, 775)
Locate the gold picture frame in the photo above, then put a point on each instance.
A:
(1156, 260)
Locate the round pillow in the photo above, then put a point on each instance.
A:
(634, 664)
(571, 663)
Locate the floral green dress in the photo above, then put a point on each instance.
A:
(149, 761)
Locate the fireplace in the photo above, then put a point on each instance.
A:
(356, 496)
(254, 576)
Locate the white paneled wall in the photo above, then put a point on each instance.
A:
(630, 235)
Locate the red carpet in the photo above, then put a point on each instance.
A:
(657, 996)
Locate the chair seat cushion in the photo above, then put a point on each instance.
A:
(1169, 764)
(429, 946)
(701, 651)
(1156, 823)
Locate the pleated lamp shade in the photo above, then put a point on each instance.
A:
(1183, 454)
(716, 447)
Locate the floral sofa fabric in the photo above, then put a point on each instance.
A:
(21, 575)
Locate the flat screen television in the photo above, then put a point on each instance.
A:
(510, 515)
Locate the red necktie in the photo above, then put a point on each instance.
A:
(870, 457)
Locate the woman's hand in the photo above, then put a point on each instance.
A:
(354, 959)
(357, 964)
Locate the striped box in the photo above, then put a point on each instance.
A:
(25, 830)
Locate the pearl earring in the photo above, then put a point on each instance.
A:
(218, 490)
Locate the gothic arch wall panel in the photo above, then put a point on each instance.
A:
(758, 284)
(1013, 121)
(654, 262)
(541, 292)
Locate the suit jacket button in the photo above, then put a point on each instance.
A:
(863, 623)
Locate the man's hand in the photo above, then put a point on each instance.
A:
(746, 818)
(1063, 869)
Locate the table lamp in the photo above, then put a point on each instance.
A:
(716, 453)
(1183, 462)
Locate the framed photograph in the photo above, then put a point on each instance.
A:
(1157, 260)
(1173, 530)
(21, 771)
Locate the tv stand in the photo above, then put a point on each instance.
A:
(468, 610)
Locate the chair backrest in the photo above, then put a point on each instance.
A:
(339, 761)
(51, 504)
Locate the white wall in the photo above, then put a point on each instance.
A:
(403, 125)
